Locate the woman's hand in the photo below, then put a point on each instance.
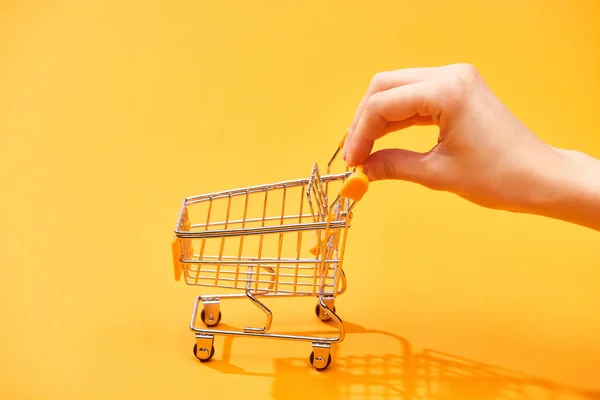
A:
(484, 154)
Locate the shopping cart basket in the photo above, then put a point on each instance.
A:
(284, 239)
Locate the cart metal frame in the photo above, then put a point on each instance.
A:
(259, 271)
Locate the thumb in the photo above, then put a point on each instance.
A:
(400, 165)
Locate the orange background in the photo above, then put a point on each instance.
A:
(112, 112)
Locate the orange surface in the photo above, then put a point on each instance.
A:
(112, 112)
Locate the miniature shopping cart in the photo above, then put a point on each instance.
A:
(284, 239)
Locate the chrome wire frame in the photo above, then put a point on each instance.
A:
(251, 271)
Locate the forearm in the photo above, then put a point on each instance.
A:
(572, 191)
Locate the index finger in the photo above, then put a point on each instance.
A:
(398, 104)
(384, 81)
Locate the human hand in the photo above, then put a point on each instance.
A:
(484, 153)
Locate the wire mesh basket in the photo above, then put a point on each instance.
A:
(284, 239)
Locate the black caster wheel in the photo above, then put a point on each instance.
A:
(206, 358)
(322, 317)
(319, 365)
(214, 323)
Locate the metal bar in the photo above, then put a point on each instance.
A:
(202, 246)
(280, 293)
(251, 280)
(333, 159)
(260, 188)
(299, 243)
(286, 279)
(320, 206)
(232, 279)
(329, 164)
(302, 288)
(336, 319)
(261, 239)
(329, 287)
(310, 204)
(324, 267)
(237, 270)
(240, 221)
(263, 308)
(321, 252)
(343, 248)
(243, 277)
(262, 261)
(320, 193)
(268, 335)
(223, 241)
(243, 295)
(307, 226)
(279, 248)
(180, 218)
(334, 239)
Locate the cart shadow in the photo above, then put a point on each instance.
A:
(447, 376)
(399, 374)
(360, 376)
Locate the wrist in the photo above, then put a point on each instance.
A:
(569, 190)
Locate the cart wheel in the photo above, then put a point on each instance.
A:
(201, 358)
(319, 363)
(321, 313)
(215, 323)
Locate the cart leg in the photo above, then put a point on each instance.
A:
(265, 309)
(322, 313)
(211, 313)
(204, 349)
(320, 358)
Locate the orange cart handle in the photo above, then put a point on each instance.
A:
(357, 184)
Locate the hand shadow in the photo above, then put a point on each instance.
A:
(398, 374)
